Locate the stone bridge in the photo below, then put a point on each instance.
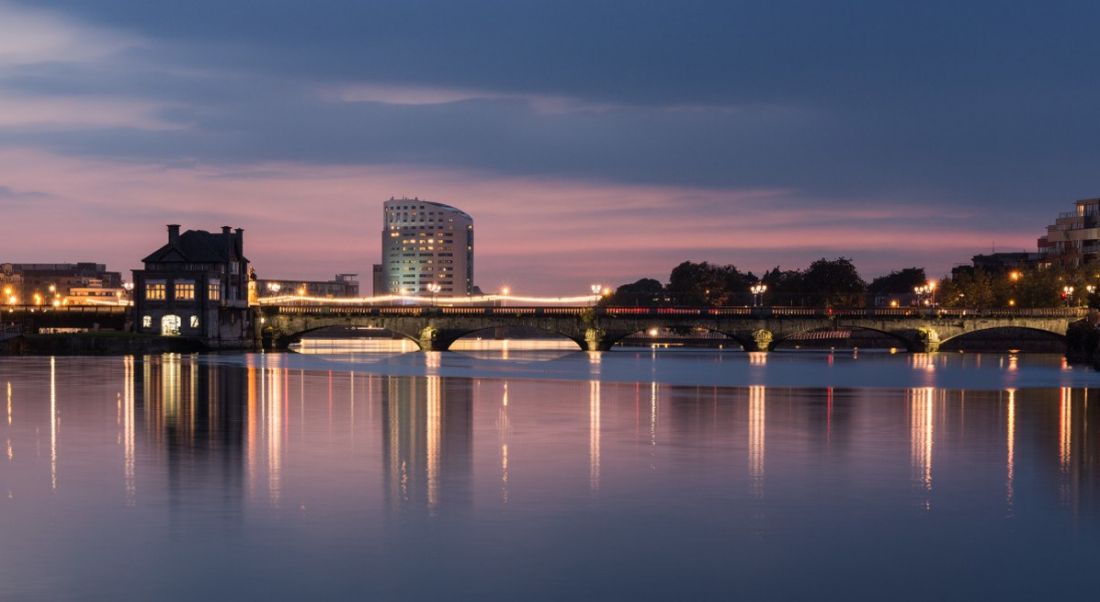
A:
(599, 328)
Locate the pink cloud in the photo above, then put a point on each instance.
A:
(540, 236)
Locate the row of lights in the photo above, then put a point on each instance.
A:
(39, 299)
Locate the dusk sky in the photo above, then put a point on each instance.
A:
(592, 141)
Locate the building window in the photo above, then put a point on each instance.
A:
(185, 290)
(214, 290)
(194, 321)
(146, 321)
(155, 291)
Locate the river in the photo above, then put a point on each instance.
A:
(548, 474)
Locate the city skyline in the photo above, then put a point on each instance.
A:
(684, 134)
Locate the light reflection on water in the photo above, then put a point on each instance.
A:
(178, 477)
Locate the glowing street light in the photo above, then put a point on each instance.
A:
(1067, 294)
(505, 291)
(1015, 275)
(434, 289)
(274, 287)
(758, 291)
(596, 289)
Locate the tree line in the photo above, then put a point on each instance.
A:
(837, 283)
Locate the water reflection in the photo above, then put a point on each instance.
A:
(757, 409)
(427, 443)
(328, 460)
(921, 435)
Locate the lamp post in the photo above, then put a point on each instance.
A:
(1067, 293)
(596, 289)
(757, 291)
(274, 287)
(434, 288)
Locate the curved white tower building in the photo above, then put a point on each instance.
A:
(426, 243)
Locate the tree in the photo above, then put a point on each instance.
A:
(785, 287)
(898, 282)
(707, 284)
(646, 292)
(833, 282)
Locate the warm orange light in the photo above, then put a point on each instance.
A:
(1012, 303)
(57, 303)
(1015, 275)
(932, 285)
(504, 290)
(893, 302)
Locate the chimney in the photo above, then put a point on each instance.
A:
(226, 229)
(240, 242)
(173, 233)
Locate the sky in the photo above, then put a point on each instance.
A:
(592, 141)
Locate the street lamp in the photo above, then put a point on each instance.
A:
(434, 288)
(597, 290)
(505, 291)
(1067, 294)
(274, 287)
(757, 291)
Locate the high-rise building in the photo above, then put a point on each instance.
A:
(426, 243)
(1073, 238)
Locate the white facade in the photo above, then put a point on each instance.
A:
(426, 243)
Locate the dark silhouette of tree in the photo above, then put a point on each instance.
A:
(646, 292)
(834, 282)
(785, 287)
(707, 284)
(898, 282)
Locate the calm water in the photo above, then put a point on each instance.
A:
(549, 475)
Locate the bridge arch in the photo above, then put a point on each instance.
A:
(908, 339)
(280, 339)
(958, 342)
(744, 340)
(454, 336)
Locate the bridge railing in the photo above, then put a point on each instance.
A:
(666, 312)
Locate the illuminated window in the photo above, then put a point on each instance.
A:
(214, 290)
(194, 321)
(155, 291)
(185, 290)
(146, 321)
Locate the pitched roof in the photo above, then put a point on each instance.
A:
(196, 246)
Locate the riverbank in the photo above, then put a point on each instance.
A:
(97, 343)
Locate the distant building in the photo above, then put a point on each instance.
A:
(196, 285)
(378, 279)
(426, 243)
(1074, 238)
(343, 285)
(997, 263)
(44, 283)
